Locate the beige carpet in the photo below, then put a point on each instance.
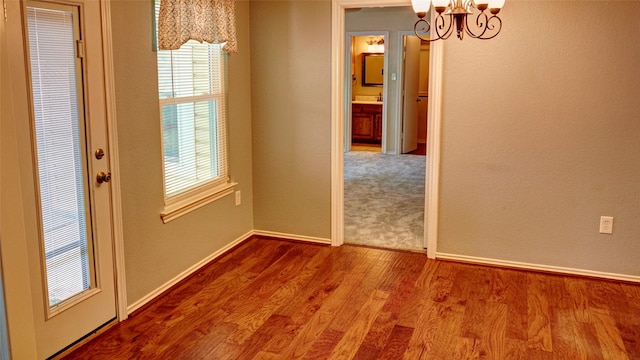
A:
(384, 200)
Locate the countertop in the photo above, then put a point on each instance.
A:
(366, 102)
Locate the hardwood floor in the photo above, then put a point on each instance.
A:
(272, 299)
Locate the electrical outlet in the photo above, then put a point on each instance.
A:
(238, 198)
(606, 224)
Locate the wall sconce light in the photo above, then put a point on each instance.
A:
(454, 14)
(375, 46)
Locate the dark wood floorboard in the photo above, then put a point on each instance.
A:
(273, 299)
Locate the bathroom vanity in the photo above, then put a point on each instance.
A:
(366, 122)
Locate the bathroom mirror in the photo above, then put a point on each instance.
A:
(372, 69)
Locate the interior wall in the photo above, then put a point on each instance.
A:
(155, 252)
(291, 111)
(540, 138)
(393, 20)
(360, 46)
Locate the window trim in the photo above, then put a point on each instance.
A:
(196, 198)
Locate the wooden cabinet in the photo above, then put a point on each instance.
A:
(366, 123)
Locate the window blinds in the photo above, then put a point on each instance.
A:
(192, 99)
(59, 147)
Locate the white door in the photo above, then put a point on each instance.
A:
(411, 82)
(71, 254)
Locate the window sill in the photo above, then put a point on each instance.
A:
(195, 201)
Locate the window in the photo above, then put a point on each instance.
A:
(192, 103)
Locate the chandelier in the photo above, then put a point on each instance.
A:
(455, 14)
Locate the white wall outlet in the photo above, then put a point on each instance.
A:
(606, 224)
(238, 198)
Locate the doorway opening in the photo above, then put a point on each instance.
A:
(340, 77)
(366, 108)
(383, 193)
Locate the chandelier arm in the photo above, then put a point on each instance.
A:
(424, 27)
(491, 27)
(469, 4)
(481, 23)
(485, 23)
(440, 25)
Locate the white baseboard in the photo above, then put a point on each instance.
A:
(537, 267)
(292, 236)
(195, 267)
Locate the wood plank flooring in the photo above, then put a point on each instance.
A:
(272, 299)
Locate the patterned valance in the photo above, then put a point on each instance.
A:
(213, 21)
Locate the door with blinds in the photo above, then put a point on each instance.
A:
(73, 271)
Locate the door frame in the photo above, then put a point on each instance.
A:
(338, 8)
(347, 80)
(114, 162)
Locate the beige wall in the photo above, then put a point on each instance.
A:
(540, 137)
(157, 252)
(291, 116)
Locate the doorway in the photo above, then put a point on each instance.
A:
(66, 141)
(366, 110)
(339, 78)
(383, 193)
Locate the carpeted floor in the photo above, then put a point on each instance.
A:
(384, 199)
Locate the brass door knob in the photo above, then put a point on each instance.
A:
(102, 177)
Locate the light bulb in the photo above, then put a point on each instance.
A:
(420, 6)
(496, 4)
